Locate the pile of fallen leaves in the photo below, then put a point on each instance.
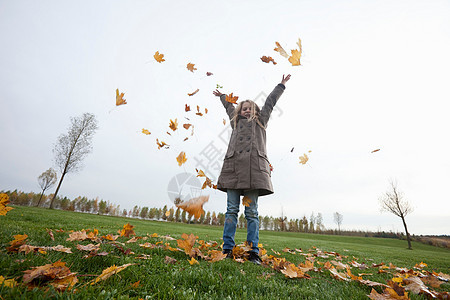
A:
(340, 267)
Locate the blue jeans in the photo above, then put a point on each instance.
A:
(231, 219)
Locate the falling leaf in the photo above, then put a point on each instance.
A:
(145, 131)
(187, 107)
(194, 206)
(296, 54)
(303, 159)
(4, 201)
(173, 124)
(224, 122)
(108, 272)
(195, 92)
(186, 126)
(190, 67)
(268, 59)
(185, 139)
(181, 158)
(376, 150)
(127, 230)
(119, 98)
(246, 201)
(280, 49)
(162, 144)
(209, 73)
(159, 57)
(232, 99)
(198, 111)
(206, 110)
(219, 86)
(193, 261)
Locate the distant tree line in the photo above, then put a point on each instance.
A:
(313, 224)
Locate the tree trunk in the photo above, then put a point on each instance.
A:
(407, 233)
(57, 189)
(39, 202)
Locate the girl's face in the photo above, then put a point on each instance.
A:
(246, 110)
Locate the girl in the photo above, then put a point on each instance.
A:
(246, 169)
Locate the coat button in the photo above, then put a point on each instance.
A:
(240, 139)
(248, 138)
(248, 150)
(241, 126)
(240, 151)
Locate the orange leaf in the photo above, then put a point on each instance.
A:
(376, 150)
(169, 260)
(268, 59)
(194, 206)
(246, 201)
(173, 124)
(119, 98)
(190, 67)
(195, 92)
(303, 159)
(181, 158)
(216, 255)
(77, 236)
(186, 126)
(159, 57)
(55, 274)
(127, 230)
(136, 284)
(187, 107)
(232, 99)
(19, 240)
(193, 261)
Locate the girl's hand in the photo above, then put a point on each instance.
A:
(217, 93)
(285, 79)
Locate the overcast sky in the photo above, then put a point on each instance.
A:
(374, 75)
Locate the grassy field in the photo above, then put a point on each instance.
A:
(154, 278)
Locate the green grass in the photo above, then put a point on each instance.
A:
(221, 280)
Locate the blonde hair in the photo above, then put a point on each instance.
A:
(255, 113)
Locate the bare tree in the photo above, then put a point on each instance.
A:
(72, 147)
(393, 202)
(338, 218)
(46, 180)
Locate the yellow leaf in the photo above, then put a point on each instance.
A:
(145, 131)
(7, 282)
(127, 230)
(159, 57)
(296, 54)
(4, 200)
(181, 158)
(193, 261)
(232, 99)
(108, 272)
(173, 124)
(119, 98)
(162, 144)
(303, 159)
(194, 206)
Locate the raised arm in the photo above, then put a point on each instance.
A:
(229, 107)
(272, 99)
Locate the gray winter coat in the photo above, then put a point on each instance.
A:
(246, 166)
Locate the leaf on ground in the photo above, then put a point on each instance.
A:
(7, 282)
(108, 272)
(19, 240)
(127, 230)
(338, 275)
(77, 236)
(187, 243)
(110, 237)
(55, 274)
(193, 261)
(169, 260)
(88, 247)
(119, 98)
(194, 206)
